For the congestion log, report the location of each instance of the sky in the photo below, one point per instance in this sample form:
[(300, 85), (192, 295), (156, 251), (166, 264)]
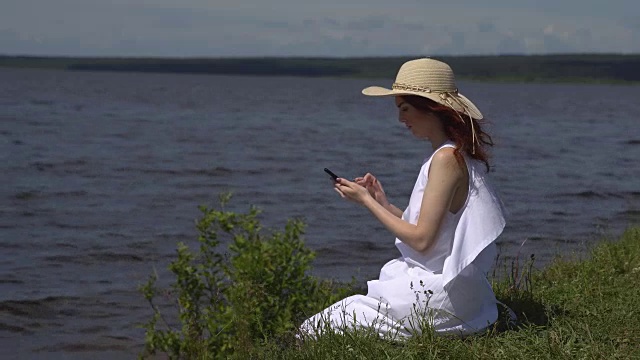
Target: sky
[(327, 28)]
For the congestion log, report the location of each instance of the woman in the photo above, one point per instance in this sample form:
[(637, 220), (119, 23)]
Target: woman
[(446, 234)]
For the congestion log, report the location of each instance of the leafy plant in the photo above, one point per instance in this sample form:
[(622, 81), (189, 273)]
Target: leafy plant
[(229, 301)]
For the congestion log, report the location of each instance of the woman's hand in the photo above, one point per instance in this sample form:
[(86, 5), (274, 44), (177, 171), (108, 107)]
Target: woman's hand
[(352, 191), (374, 187)]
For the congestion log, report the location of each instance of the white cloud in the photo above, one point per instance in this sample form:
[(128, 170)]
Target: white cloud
[(329, 28)]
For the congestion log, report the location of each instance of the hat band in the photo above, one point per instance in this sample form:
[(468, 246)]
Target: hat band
[(405, 87)]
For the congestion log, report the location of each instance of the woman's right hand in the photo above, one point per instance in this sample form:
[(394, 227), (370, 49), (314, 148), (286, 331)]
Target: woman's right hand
[(374, 187)]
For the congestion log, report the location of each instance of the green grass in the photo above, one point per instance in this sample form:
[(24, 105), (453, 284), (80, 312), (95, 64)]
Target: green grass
[(587, 309)]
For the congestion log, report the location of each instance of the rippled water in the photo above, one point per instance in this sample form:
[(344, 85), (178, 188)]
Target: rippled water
[(102, 174)]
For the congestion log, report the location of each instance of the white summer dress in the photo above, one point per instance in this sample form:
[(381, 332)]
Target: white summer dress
[(447, 285)]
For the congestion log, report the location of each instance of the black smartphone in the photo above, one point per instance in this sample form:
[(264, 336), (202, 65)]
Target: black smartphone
[(333, 176)]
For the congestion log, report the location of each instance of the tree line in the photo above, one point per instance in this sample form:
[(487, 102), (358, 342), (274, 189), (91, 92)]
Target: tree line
[(521, 68)]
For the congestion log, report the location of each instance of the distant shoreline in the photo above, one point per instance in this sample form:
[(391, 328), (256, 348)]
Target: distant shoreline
[(569, 68)]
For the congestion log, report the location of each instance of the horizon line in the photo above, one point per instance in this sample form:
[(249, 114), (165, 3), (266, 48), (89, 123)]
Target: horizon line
[(315, 56)]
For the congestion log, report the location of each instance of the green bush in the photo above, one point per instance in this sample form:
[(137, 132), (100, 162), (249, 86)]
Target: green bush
[(229, 302)]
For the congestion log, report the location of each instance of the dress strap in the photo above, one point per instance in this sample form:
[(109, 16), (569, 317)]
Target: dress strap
[(447, 143)]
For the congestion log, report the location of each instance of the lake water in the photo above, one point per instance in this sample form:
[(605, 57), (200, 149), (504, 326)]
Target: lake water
[(102, 174)]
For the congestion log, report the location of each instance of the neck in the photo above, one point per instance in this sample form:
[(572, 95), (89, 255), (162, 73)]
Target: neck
[(437, 141)]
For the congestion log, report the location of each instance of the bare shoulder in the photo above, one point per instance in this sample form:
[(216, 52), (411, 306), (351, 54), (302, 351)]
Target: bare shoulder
[(445, 156), (445, 161)]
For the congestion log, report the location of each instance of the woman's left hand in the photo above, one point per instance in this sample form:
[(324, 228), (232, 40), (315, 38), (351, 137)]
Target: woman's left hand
[(351, 191)]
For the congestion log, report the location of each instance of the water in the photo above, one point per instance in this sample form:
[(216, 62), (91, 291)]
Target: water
[(102, 174)]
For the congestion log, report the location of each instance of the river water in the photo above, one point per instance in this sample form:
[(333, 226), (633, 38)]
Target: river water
[(102, 175)]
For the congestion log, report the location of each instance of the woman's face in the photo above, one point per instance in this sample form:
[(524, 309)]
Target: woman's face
[(421, 123)]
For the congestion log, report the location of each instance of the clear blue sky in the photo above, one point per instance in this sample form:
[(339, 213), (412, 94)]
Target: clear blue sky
[(317, 28)]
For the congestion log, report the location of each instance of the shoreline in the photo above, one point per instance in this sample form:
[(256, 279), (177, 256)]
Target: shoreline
[(571, 309), (567, 68)]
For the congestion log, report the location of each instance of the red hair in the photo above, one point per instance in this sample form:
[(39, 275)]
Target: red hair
[(458, 128)]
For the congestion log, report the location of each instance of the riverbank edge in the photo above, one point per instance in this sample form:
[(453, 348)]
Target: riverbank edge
[(571, 309)]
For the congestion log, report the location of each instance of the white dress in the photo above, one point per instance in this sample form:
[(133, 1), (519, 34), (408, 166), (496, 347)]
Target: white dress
[(445, 288)]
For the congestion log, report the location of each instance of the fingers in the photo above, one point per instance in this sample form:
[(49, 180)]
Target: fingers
[(361, 182), (345, 186), (342, 186), (370, 179), (345, 189), (344, 182)]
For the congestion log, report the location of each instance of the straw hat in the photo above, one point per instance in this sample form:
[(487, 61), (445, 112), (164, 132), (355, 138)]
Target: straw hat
[(431, 79)]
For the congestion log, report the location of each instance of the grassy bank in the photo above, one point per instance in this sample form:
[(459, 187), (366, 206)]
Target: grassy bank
[(591, 68), (570, 310), (244, 293)]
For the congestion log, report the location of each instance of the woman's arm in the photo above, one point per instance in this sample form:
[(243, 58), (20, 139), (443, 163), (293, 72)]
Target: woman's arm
[(445, 176), (394, 210)]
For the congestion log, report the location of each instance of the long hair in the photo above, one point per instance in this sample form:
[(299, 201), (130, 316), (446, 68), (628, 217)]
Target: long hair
[(457, 127)]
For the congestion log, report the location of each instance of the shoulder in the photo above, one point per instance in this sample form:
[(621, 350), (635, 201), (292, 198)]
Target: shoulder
[(445, 157), (445, 161), (444, 154)]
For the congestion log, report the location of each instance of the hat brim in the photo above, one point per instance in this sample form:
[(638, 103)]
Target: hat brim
[(471, 108)]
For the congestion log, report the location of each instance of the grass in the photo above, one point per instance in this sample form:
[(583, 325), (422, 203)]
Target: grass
[(570, 310)]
